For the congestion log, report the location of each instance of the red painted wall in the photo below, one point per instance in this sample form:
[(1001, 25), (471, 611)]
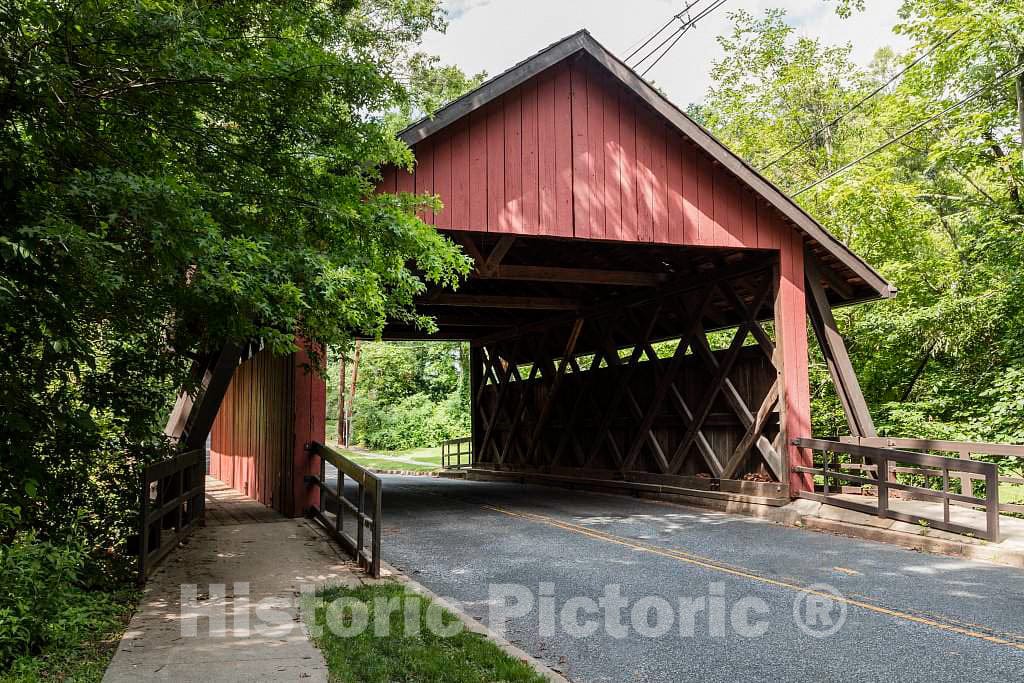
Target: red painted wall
[(570, 153), (272, 409)]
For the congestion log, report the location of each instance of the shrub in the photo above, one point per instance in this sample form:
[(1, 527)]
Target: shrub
[(42, 604), (414, 421)]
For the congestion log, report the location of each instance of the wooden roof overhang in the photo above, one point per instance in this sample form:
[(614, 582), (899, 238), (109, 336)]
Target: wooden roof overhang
[(528, 286), (522, 282)]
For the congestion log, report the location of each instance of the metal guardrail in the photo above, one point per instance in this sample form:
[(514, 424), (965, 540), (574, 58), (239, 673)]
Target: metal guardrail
[(885, 460), (965, 450), (366, 516), (454, 450), (173, 503)]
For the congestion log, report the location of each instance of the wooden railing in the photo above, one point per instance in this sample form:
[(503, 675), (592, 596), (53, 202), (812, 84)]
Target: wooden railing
[(886, 460), (452, 452), (367, 516), (965, 450), (173, 503)]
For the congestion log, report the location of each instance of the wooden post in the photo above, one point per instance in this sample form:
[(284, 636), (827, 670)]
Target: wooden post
[(310, 424), (791, 350), (475, 380)]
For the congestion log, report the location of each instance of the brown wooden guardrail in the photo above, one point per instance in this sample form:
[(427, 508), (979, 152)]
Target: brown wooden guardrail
[(366, 515), (965, 450), (454, 450), (173, 497), (886, 460)]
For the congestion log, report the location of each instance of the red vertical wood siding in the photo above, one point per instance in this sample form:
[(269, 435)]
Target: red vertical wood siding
[(250, 439), (272, 408), (569, 154)]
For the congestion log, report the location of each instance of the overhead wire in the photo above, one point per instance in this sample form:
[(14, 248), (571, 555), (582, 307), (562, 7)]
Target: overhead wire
[(657, 33), (690, 24), (975, 94), (920, 58)]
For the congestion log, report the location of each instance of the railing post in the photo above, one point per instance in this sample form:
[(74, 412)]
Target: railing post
[(377, 515), (824, 470), (945, 495), (144, 525), (883, 487), (361, 506), (992, 504), (966, 483), (339, 491)]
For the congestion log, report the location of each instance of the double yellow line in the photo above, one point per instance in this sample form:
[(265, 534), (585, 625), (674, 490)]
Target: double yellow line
[(708, 563)]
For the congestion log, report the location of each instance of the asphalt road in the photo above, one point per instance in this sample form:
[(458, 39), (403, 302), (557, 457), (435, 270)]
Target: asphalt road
[(904, 615)]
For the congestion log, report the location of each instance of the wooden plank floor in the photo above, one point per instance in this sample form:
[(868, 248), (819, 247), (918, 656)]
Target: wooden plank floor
[(226, 506)]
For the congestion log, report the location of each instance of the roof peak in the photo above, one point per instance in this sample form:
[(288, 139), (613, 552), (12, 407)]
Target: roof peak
[(583, 41)]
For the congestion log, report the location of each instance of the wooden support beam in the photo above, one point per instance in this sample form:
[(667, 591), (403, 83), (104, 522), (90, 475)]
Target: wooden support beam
[(615, 306), (497, 254), (858, 417), (667, 376), (192, 419), (545, 408), (754, 434), (469, 246), (533, 303), (504, 375), (829, 275), (622, 384), (589, 276)]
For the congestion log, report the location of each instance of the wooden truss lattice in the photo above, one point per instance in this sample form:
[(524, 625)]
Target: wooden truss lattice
[(641, 412)]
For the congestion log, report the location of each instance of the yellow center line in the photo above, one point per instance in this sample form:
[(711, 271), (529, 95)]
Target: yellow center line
[(708, 563)]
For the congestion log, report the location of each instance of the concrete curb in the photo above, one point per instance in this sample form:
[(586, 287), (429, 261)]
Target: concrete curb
[(475, 626), (936, 546)]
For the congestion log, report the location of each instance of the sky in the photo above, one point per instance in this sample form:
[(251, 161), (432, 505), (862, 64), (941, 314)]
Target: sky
[(492, 35)]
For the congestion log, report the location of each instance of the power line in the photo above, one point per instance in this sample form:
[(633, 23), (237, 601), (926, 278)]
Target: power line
[(657, 33), (679, 29), (678, 35), (1011, 73), (863, 100)]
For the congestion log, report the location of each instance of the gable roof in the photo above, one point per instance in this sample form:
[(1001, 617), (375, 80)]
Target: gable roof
[(583, 42)]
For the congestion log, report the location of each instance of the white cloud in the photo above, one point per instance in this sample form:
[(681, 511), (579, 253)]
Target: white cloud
[(495, 34), (457, 9)]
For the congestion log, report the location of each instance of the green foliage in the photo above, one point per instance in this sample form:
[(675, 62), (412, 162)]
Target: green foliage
[(43, 604), (939, 214), (411, 394), (175, 176)]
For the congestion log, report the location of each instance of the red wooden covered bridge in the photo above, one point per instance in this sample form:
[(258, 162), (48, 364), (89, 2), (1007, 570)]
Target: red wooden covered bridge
[(638, 309)]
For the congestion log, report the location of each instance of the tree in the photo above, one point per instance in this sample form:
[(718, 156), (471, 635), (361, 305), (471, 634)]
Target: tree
[(938, 213), (177, 176)]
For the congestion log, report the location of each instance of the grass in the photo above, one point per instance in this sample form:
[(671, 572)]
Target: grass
[(84, 656), (388, 464), (422, 459), (1011, 493), (419, 658)]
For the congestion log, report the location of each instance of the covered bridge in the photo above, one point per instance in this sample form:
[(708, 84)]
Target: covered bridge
[(639, 304)]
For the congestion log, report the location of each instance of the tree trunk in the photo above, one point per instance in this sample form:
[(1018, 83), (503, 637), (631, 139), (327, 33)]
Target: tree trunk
[(341, 403), (1020, 110), (352, 394)]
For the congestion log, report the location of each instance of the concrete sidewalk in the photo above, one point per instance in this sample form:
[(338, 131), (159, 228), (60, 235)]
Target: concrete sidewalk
[(257, 555)]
